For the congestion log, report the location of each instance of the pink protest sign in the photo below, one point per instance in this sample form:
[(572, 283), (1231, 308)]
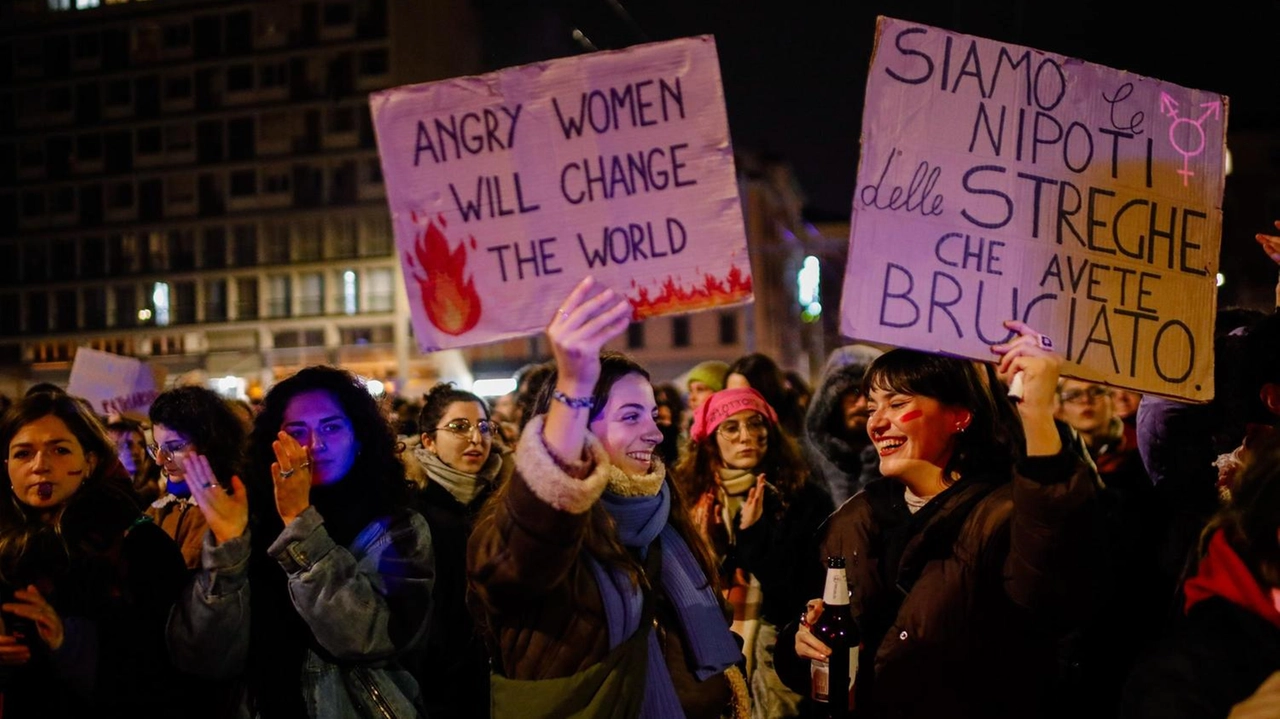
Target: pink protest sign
[(1001, 182), (506, 189)]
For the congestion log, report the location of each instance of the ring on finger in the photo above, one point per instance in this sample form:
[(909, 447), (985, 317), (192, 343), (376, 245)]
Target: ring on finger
[(207, 485), (305, 465), (286, 473), (1046, 343)]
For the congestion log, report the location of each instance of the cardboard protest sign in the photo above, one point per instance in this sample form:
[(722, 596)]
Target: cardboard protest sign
[(113, 384), (1001, 182), (506, 189)]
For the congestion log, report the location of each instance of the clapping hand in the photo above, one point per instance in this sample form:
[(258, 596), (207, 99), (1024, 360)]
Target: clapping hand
[(227, 513)]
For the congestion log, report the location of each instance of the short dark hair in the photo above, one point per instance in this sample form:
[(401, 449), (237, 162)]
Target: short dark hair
[(438, 399)]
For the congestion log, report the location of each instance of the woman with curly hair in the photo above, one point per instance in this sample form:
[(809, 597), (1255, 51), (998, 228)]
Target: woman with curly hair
[(185, 421), (88, 581), (759, 512), (341, 569)]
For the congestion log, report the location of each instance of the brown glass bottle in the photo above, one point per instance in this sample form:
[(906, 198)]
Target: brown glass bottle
[(837, 630)]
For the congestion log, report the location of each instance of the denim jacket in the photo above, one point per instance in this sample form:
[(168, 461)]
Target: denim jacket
[(341, 593)]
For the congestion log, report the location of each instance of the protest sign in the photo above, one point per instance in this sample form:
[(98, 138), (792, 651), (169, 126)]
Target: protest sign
[(1002, 182), (506, 189), (113, 384)]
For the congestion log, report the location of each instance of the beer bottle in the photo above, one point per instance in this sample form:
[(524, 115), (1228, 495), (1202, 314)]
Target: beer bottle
[(832, 680)]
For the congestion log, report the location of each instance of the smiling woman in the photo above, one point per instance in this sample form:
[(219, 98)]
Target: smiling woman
[(972, 554), (91, 578)]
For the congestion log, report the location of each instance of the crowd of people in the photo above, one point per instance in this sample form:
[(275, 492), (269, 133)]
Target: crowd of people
[(599, 544)]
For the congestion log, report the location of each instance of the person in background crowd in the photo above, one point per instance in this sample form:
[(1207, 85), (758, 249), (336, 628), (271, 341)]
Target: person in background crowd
[(837, 449), (671, 413), (341, 569), (759, 372), (87, 581), (704, 379), (1129, 615), (759, 512), (457, 466), (186, 421), (799, 387), (1126, 404), (972, 556), (131, 448), (505, 415), (243, 411), (586, 571), (529, 382), (1223, 660)]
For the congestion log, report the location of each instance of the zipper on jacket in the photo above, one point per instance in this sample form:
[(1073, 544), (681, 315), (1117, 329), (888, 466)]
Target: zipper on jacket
[(383, 707)]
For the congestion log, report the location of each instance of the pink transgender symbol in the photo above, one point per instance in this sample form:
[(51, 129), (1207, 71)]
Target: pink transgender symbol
[(1187, 130)]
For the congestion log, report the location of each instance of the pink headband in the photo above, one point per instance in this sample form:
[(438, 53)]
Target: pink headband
[(720, 405)]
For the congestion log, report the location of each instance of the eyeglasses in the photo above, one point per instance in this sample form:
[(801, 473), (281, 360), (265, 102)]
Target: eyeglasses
[(464, 428), (166, 453), (732, 428), (1085, 395)]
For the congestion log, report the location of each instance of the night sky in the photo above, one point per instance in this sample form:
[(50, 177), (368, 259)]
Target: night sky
[(794, 72)]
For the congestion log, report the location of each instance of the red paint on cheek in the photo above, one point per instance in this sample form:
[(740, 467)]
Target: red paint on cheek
[(911, 416)]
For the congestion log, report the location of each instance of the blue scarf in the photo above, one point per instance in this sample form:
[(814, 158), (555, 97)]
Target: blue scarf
[(640, 520)]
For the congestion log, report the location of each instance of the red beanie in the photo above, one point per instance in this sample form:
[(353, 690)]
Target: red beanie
[(726, 402)]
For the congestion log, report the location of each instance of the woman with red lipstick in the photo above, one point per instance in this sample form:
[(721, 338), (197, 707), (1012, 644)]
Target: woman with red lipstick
[(971, 557), (458, 465), (315, 586), (88, 581), (595, 591), (759, 512)]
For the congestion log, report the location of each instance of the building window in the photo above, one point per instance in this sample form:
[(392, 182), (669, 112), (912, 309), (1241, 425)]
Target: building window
[(57, 99), (126, 306), (37, 312), (680, 331), (349, 301), (149, 141), (244, 252), (119, 93), (276, 248), (342, 241), (64, 310), (240, 77), (184, 303), (278, 296), (273, 74), (160, 305), (275, 181), (635, 336), (378, 240), (180, 190), (10, 314), (89, 148), (337, 13), (373, 62), (177, 87), (35, 261), (33, 204), (62, 201), (213, 254), (342, 119), (311, 294), (728, 328), (156, 256), (247, 298), (120, 195), (182, 249), (382, 293), (64, 254), (31, 154), (93, 257), (177, 36), (308, 237), (215, 301), (87, 46), (95, 308), (178, 138), (244, 183)]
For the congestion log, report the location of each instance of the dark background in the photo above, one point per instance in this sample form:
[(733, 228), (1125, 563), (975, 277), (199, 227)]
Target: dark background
[(794, 72)]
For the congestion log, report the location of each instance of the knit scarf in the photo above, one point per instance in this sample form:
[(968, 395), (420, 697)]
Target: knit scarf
[(640, 520), (742, 588), (464, 486)]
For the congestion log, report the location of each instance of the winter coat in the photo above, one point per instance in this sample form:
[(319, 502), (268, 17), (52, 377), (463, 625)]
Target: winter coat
[(768, 549), (965, 622), (112, 577), (536, 593), (843, 467), (1227, 645), (181, 519), (363, 605)]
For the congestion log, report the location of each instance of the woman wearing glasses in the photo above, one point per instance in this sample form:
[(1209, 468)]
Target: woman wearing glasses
[(759, 513), (456, 468), (595, 590), (186, 421), (87, 582), (315, 585)]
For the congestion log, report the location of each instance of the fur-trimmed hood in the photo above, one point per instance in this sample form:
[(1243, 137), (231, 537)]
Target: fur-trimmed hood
[(833, 458)]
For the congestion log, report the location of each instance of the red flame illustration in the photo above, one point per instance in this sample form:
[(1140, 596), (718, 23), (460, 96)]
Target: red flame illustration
[(449, 297), (711, 293)]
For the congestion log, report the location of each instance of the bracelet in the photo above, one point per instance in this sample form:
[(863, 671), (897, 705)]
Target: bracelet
[(574, 402)]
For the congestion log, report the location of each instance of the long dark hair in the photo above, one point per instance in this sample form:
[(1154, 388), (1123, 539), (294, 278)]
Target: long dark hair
[(782, 463), (103, 505), (438, 399), (205, 417), (601, 539), (992, 442), (383, 488)]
